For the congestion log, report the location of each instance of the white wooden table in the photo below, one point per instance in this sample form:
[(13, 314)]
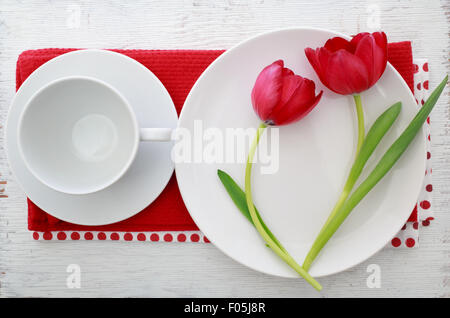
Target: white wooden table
[(30, 268)]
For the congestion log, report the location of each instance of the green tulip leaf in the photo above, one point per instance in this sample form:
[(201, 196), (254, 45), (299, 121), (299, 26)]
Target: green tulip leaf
[(384, 165), (379, 128), (238, 197)]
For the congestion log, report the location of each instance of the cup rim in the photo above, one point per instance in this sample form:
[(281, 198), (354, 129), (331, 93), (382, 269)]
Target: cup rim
[(123, 170)]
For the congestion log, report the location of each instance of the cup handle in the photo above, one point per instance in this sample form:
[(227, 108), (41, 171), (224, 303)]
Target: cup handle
[(155, 134)]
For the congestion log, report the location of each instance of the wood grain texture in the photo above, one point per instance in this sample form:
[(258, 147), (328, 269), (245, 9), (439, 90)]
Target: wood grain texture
[(30, 268)]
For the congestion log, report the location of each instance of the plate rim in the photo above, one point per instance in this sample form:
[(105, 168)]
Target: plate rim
[(211, 67)]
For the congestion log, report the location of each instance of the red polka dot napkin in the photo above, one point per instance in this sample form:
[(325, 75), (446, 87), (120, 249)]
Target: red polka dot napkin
[(167, 219), (422, 214)]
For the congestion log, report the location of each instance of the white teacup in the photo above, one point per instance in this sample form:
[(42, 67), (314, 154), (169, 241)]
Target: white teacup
[(79, 135)]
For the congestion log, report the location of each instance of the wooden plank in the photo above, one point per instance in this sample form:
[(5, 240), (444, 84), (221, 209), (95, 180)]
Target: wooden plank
[(29, 268)]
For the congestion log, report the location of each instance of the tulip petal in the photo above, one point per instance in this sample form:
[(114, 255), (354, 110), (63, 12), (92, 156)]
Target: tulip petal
[(297, 101), (357, 38), (287, 71), (267, 89), (380, 61), (381, 39), (302, 102), (373, 56), (318, 59), (312, 56), (338, 43), (346, 73), (290, 85)]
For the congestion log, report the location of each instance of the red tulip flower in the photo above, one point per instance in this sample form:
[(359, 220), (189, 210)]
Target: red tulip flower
[(281, 97), (350, 67)]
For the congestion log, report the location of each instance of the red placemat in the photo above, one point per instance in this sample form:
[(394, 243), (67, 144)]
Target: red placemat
[(177, 70)]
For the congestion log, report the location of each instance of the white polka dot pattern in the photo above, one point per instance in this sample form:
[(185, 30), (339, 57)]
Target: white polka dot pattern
[(408, 236)]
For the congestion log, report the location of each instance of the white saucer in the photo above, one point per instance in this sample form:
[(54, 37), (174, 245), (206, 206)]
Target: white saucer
[(152, 167)]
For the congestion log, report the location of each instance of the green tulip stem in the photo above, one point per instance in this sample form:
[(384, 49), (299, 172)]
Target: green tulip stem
[(351, 178), (257, 223), (360, 115)]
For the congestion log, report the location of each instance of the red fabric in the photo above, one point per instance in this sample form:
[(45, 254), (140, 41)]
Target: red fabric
[(401, 58), (413, 217), (177, 70)]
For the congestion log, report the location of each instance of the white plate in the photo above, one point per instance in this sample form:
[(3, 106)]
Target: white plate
[(152, 167), (315, 157)]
